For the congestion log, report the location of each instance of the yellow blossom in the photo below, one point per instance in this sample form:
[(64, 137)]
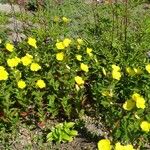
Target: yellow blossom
[(84, 67), (145, 126), (79, 57), (13, 62), (116, 75), (35, 67), (115, 68), (104, 144), (9, 47), (21, 84), (32, 42), (0, 41), (128, 147), (89, 51), (41, 84), (26, 60), (148, 68), (135, 96), (66, 42), (118, 146), (130, 71), (80, 41), (129, 105), (60, 45), (140, 103), (60, 56), (66, 20), (79, 80), (2, 68), (3, 73)]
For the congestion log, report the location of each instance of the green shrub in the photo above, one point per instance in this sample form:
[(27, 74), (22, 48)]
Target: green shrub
[(87, 59), (62, 132)]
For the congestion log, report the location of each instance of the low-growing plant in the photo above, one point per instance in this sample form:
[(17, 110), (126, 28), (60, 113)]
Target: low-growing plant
[(81, 60), (62, 132)]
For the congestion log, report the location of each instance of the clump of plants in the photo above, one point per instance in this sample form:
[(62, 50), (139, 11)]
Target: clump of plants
[(62, 132), (99, 67)]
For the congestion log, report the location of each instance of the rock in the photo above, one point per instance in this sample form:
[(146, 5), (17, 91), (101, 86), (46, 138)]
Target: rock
[(8, 8)]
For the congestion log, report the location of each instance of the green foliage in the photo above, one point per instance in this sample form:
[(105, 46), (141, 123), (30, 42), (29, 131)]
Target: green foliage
[(62, 132), (115, 34)]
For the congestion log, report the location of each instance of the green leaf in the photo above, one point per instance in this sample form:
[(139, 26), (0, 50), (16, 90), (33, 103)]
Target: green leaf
[(69, 125), (73, 133), (66, 137), (49, 136)]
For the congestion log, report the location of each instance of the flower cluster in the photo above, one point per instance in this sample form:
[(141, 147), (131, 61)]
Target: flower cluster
[(136, 100), (116, 74), (3, 73), (145, 126), (105, 144)]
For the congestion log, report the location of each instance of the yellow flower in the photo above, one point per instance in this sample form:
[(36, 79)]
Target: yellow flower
[(116, 75), (145, 126), (84, 67), (128, 147), (115, 68), (66, 20), (3, 73), (13, 62), (79, 57), (129, 105), (66, 42), (135, 96), (104, 144), (2, 68), (148, 68), (41, 84), (80, 41), (26, 60), (0, 41), (32, 42), (130, 71), (9, 47), (118, 146), (60, 45), (89, 51), (60, 56), (21, 84), (35, 67), (140, 103), (79, 80)]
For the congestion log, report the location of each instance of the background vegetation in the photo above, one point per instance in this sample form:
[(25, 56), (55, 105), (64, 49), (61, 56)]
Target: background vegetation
[(92, 59)]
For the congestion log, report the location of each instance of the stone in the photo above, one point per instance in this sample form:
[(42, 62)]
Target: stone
[(7, 8)]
